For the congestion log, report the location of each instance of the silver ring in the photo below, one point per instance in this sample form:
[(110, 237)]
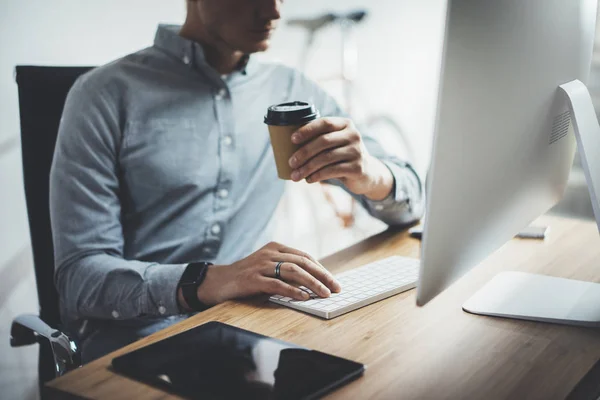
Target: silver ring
[(278, 270)]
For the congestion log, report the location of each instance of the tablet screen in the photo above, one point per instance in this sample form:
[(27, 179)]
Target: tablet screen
[(219, 361)]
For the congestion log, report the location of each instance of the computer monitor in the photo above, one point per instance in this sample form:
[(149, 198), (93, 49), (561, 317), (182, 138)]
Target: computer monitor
[(511, 94)]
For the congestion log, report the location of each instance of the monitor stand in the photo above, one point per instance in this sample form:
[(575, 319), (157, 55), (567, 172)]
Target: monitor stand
[(544, 298)]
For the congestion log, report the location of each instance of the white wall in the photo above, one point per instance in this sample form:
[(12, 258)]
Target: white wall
[(399, 58)]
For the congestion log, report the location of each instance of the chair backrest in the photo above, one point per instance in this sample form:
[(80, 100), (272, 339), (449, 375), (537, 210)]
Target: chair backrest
[(42, 95)]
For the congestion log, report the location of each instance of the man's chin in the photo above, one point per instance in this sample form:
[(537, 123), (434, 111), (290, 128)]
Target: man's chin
[(256, 47)]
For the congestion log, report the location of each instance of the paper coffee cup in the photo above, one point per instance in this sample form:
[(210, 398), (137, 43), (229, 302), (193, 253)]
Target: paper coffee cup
[(283, 120)]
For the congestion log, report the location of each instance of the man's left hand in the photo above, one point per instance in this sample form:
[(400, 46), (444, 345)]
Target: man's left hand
[(332, 148)]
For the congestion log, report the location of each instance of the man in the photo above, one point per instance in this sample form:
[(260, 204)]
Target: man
[(163, 163)]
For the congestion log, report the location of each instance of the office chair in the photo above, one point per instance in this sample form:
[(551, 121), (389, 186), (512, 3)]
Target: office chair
[(42, 95)]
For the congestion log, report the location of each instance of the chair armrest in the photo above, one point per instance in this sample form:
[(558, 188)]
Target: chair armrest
[(29, 329)]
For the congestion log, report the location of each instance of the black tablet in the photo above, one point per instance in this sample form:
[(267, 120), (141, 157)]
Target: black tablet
[(219, 361)]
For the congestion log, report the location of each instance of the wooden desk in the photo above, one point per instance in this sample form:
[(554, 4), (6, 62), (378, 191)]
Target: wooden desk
[(433, 352)]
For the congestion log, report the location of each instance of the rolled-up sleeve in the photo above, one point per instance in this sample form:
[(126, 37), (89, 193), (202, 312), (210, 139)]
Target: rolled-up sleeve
[(92, 277)]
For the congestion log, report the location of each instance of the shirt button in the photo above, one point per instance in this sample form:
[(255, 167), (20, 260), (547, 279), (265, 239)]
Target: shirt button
[(115, 314), (221, 94), (223, 193), (379, 207), (216, 229), (207, 250), (186, 59), (162, 310), (227, 140)]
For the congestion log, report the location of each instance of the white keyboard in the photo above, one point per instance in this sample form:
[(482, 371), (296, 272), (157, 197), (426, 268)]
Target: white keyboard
[(360, 287)]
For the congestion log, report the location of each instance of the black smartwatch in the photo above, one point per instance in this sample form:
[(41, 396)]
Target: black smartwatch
[(190, 281)]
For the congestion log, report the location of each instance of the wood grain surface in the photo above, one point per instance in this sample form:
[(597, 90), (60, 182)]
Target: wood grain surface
[(431, 352)]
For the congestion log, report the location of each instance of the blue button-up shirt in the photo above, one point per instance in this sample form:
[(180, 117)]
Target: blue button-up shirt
[(161, 161)]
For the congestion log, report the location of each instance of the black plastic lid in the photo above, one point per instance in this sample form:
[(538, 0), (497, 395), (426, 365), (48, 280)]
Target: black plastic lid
[(294, 113)]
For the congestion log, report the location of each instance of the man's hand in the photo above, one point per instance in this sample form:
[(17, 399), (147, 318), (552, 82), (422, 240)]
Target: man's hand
[(333, 148), (255, 274)]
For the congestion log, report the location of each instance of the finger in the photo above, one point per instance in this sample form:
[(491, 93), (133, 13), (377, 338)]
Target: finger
[(291, 250), (336, 171), (273, 286), (292, 273), (319, 144), (318, 127), (314, 269), (328, 157)]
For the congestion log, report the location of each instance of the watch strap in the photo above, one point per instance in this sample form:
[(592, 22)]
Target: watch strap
[(192, 278)]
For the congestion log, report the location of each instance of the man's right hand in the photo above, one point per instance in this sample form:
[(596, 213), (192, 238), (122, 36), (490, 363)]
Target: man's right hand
[(255, 275)]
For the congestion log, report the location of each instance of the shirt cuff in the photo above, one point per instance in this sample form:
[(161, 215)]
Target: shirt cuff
[(398, 195), (162, 282)]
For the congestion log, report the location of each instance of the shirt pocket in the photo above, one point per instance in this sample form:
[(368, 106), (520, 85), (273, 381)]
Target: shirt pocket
[(164, 157)]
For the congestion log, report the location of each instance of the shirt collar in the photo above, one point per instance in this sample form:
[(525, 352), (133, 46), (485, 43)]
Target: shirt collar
[(167, 39)]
